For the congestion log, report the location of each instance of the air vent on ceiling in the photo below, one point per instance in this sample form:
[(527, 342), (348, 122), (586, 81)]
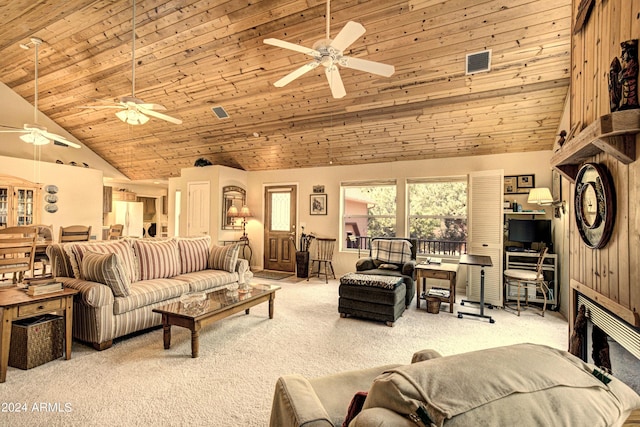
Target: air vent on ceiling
[(220, 112), (478, 62)]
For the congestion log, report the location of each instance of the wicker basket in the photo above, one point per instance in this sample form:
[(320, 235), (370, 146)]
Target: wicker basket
[(36, 341), (433, 305)]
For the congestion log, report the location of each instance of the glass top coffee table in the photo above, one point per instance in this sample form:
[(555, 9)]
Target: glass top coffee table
[(218, 305)]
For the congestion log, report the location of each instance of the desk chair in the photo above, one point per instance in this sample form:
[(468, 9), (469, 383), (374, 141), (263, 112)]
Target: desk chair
[(323, 254), (526, 279), (74, 233), (17, 249), (115, 231)]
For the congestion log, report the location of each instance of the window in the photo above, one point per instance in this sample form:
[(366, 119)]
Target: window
[(437, 215), (369, 210)]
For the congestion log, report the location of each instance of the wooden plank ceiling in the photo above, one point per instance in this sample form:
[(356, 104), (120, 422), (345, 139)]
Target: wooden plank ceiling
[(195, 54)]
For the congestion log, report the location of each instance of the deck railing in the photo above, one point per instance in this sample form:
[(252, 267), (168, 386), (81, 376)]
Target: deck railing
[(425, 246)]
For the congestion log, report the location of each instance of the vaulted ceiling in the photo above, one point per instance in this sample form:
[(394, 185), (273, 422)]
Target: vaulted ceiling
[(192, 55)]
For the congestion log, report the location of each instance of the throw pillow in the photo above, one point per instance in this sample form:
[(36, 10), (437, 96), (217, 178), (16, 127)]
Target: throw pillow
[(224, 257), (77, 250), (158, 259), (107, 269), (391, 251), (194, 253)]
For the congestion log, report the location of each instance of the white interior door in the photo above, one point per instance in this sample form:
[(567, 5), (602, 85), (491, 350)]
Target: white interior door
[(486, 234), (198, 208)]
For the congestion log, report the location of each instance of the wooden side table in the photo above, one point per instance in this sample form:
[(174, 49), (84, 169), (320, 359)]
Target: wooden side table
[(445, 271), (16, 305)]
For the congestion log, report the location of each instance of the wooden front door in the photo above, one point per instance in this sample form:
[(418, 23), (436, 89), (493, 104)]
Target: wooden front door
[(280, 227)]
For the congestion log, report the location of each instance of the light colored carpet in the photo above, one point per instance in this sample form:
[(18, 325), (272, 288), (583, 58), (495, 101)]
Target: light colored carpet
[(138, 383)]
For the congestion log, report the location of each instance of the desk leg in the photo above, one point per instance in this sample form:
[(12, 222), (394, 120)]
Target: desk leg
[(5, 333), (419, 285), (481, 314), (452, 291)]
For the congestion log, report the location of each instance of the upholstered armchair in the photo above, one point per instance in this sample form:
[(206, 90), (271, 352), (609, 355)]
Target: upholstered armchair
[(392, 256)]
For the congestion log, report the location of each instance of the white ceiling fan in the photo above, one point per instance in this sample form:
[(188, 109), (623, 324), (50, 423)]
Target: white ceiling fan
[(328, 52), (33, 133), (135, 111)]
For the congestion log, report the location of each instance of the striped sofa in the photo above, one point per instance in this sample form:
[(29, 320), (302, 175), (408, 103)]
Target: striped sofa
[(122, 281)]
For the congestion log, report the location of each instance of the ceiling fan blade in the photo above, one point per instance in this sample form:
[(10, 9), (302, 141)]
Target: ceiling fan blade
[(335, 82), (296, 73), (291, 46), (156, 107), (372, 67), (159, 115), (349, 34), (59, 139)]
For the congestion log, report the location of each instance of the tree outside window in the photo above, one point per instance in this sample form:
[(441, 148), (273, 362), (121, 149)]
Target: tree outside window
[(438, 215), (369, 211)]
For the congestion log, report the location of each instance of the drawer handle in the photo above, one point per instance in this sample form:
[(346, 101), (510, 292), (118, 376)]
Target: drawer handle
[(41, 307)]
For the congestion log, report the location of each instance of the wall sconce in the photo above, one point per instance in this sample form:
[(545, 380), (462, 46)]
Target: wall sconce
[(541, 196)]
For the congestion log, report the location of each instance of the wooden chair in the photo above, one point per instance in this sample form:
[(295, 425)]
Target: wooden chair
[(323, 254), (17, 249), (115, 231), (74, 233), (43, 239), (526, 279)]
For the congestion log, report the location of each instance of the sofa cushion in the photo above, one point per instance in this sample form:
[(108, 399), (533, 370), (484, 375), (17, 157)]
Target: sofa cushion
[(77, 250), (390, 251), (147, 292), (371, 280), (194, 253), (157, 259), (107, 269), (498, 386), (208, 279), (224, 257)]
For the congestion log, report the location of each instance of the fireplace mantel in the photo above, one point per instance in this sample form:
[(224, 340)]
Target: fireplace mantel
[(612, 133), (629, 316)]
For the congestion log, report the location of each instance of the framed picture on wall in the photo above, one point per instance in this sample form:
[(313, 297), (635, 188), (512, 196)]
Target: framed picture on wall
[(526, 181), (318, 204), (510, 184)]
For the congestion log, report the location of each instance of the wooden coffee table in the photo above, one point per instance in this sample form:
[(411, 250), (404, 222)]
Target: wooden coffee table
[(220, 304)]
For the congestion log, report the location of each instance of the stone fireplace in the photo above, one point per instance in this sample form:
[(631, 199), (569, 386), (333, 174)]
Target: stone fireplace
[(623, 340)]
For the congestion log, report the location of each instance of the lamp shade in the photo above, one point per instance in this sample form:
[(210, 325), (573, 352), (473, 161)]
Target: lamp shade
[(245, 212), (232, 212), (540, 196)]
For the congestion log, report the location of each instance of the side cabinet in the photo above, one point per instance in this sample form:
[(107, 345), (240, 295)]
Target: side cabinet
[(20, 202)]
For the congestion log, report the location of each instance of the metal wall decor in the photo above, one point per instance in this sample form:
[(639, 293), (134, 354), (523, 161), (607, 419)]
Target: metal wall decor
[(595, 205), (51, 198), (232, 195)]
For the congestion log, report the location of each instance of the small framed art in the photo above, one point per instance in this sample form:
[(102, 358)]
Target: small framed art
[(318, 204)]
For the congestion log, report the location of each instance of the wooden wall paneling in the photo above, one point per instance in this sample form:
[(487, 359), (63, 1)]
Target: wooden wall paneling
[(634, 234)]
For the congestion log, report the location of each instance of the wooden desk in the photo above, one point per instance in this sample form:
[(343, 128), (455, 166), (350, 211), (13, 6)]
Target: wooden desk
[(16, 305), (445, 271)]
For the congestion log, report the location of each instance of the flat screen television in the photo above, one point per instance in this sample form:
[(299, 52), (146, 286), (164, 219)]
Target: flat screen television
[(528, 231)]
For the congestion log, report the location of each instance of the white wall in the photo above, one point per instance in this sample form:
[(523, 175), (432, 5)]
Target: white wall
[(536, 163), (79, 195), (218, 177)]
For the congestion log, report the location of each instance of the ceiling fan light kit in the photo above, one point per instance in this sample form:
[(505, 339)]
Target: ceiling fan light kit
[(33, 133), (135, 111), (329, 53)]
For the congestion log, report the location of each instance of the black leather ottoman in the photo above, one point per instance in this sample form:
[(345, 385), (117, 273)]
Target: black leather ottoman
[(372, 297)]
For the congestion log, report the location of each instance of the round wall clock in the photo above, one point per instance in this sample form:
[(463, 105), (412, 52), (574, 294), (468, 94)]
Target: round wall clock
[(595, 205)]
